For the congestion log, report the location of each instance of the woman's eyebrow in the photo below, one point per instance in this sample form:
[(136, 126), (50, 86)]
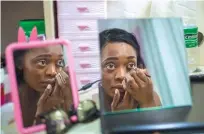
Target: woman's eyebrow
[(47, 55), (131, 57), (110, 58), (43, 55), (60, 55)]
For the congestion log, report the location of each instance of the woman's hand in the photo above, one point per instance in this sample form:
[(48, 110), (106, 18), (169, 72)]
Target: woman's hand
[(140, 87), (65, 88), (126, 103), (53, 97), (50, 99)]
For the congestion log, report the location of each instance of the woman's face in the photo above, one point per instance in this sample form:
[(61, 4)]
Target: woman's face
[(40, 65), (117, 60)]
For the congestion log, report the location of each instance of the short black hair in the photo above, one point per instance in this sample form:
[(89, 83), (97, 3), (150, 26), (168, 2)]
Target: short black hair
[(120, 35), (18, 60)]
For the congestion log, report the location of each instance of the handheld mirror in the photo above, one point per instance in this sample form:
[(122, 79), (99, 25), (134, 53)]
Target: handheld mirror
[(40, 80), (144, 72)]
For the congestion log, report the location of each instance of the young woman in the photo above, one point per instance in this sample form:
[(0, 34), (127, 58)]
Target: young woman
[(42, 82), (125, 81)]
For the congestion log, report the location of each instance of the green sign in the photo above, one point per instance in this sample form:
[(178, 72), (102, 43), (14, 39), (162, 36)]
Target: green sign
[(29, 24)]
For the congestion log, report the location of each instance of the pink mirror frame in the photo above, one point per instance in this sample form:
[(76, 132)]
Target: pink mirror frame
[(14, 88)]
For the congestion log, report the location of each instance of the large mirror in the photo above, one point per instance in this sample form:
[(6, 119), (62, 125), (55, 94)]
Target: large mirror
[(143, 65)]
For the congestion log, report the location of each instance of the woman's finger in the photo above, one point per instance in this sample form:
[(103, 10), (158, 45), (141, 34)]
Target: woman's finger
[(61, 93), (131, 85), (45, 95), (145, 72), (126, 98), (115, 99), (124, 84), (65, 76), (141, 74), (59, 80), (62, 77), (67, 86), (137, 79), (56, 91), (132, 102), (54, 101), (149, 81)]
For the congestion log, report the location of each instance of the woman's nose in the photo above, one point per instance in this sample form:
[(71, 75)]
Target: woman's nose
[(120, 74), (51, 71)]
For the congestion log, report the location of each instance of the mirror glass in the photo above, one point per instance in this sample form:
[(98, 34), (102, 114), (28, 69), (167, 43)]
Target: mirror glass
[(43, 81), (143, 65)]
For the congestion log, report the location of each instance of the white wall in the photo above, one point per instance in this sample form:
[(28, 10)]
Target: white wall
[(148, 8), (200, 24)]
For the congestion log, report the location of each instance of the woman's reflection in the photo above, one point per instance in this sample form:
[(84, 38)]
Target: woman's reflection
[(125, 82), (42, 81)]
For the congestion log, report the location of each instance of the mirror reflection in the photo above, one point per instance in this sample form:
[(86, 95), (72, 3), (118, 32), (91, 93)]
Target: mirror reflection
[(43, 82), (126, 82), (143, 64)]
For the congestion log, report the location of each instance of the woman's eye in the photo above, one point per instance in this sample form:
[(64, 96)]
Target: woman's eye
[(110, 66), (131, 65), (42, 63), (61, 63)]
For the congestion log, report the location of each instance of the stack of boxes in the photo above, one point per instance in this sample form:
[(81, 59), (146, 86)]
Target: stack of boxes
[(77, 22)]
